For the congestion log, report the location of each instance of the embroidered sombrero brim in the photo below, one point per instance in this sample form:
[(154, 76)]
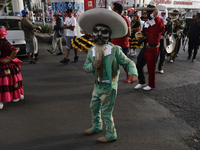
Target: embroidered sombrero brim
[(96, 16)]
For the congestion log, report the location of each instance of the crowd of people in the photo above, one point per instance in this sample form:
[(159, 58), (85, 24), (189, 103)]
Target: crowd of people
[(107, 46)]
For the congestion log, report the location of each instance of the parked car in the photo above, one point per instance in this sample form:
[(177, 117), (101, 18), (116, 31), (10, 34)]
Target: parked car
[(15, 34)]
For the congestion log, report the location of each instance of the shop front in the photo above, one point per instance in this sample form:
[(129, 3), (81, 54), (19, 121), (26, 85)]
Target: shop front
[(190, 6)]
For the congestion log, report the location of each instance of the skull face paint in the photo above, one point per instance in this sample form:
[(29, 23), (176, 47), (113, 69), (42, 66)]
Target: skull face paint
[(101, 34)]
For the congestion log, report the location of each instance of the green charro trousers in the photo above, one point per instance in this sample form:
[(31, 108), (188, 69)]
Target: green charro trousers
[(103, 100)]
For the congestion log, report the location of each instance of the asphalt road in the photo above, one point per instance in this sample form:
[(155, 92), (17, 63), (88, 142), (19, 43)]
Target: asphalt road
[(56, 109)]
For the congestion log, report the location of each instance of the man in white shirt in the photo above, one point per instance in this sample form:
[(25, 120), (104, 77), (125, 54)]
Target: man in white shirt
[(70, 25)]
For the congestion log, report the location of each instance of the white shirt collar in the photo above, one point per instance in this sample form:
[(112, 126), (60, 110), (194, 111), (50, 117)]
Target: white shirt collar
[(106, 52)]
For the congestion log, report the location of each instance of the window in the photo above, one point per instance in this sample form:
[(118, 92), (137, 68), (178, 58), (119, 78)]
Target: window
[(11, 24)]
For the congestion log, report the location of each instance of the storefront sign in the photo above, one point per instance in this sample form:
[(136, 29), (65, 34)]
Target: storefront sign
[(163, 1), (182, 3)]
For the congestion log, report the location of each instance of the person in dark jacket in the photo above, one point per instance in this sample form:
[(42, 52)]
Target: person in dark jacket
[(194, 37), (58, 33)]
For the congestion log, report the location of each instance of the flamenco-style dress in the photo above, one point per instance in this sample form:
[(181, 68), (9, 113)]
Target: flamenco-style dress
[(82, 43), (132, 40), (11, 88)]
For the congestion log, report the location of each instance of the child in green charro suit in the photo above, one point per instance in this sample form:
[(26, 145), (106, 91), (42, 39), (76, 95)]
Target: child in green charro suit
[(104, 60)]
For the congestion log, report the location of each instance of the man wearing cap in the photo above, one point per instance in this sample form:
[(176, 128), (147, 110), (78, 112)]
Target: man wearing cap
[(58, 33), (103, 60), (177, 26), (153, 29), (70, 25), (29, 35)]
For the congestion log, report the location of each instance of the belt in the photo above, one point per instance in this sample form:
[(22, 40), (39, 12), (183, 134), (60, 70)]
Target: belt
[(153, 46)]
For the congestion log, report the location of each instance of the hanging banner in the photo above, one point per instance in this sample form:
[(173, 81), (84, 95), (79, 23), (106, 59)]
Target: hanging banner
[(89, 4), (125, 3), (61, 6)]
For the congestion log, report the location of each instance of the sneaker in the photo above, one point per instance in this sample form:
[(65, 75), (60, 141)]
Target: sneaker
[(31, 62), (193, 60), (64, 61), (127, 79), (171, 61), (22, 97), (1, 105), (50, 51), (138, 86), (188, 58), (161, 71), (133, 53), (147, 88), (176, 55), (15, 100), (76, 58), (33, 59), (60, 53)]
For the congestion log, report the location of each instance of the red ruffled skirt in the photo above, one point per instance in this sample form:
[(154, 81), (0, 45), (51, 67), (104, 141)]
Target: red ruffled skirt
[(11, 87)]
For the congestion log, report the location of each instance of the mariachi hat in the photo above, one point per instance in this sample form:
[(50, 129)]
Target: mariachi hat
[(148, 8), (144, 12), (57, 14), (96, 16), (174, 11)]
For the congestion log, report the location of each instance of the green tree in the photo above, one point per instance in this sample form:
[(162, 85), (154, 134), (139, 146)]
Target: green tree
[(10, 7)]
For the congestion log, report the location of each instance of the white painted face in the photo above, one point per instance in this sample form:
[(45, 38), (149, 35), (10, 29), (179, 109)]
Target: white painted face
[(101, 34)]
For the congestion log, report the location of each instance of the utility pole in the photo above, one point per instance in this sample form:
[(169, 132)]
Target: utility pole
[(135, 4), (43, 17)]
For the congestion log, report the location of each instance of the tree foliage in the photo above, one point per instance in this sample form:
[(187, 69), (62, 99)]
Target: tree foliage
[(10, 7)]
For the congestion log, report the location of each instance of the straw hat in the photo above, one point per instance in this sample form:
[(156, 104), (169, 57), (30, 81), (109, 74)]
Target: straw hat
[(96, 16)]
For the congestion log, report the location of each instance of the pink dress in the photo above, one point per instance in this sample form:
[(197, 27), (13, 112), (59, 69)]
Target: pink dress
[(11, 87)]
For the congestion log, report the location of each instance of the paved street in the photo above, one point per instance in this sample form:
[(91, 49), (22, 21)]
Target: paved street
[(56, 109)]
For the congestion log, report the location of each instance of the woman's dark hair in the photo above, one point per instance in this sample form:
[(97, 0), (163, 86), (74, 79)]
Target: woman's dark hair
[(118, 7)]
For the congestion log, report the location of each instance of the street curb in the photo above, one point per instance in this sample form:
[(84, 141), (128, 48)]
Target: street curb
[(47, 38), (44, 37)]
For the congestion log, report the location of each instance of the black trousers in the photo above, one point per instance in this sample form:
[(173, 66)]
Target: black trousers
[(193, 44), (140, 65), (162, 54)]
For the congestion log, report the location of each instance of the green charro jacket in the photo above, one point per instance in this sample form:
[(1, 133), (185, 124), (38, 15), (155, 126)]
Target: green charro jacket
[(114, 58)]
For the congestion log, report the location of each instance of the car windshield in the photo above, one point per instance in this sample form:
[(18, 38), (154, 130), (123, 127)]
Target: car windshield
[(11, 24)]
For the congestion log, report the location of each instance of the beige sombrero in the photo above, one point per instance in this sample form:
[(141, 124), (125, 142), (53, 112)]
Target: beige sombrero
[(96, 16)]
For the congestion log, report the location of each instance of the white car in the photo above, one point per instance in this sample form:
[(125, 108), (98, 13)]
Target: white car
[(15, 34)]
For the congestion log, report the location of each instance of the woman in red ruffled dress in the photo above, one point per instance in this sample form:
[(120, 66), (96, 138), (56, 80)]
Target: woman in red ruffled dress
[(11, 88)]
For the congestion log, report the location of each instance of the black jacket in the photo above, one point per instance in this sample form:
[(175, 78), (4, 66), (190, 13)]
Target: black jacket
[(168, 28), (58, 27)]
